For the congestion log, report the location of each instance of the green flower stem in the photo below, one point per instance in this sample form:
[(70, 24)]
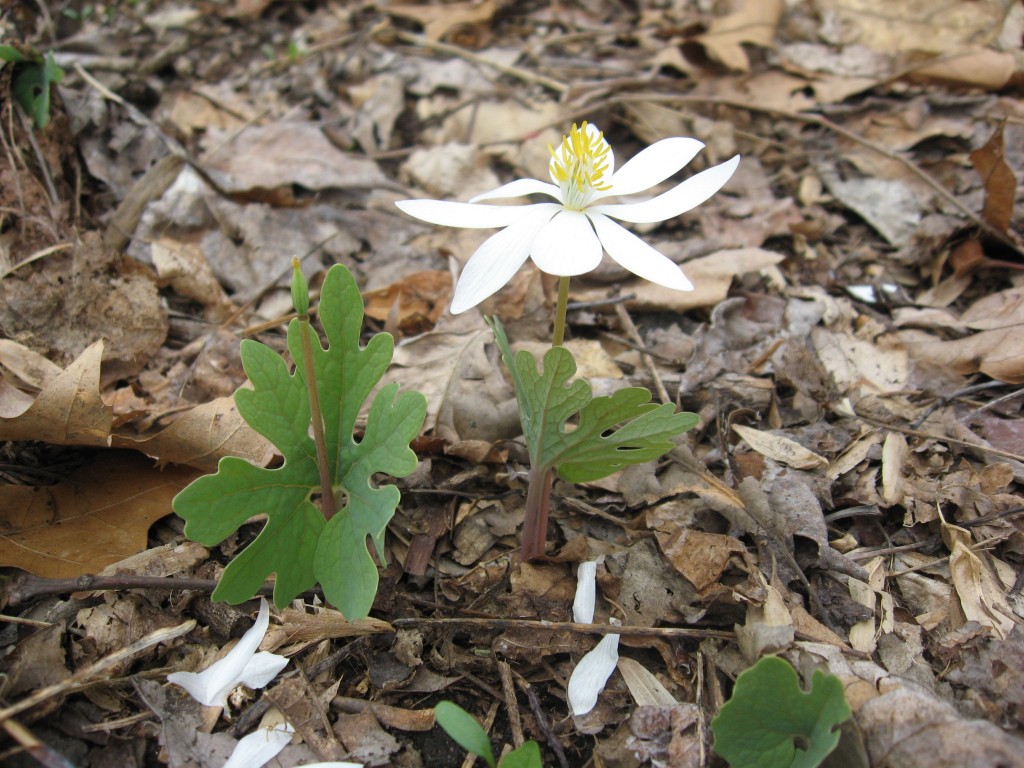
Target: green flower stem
[(535, 523), (560, 309), (300, 298)]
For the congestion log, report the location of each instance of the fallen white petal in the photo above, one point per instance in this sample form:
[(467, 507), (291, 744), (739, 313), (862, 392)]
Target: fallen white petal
[(586, 592), (499, 258), (518, 188), (260, 747), (465, 215), (652, 166), (566, 245), (591, 674), (680, 199), (241, 665), (637, 256)]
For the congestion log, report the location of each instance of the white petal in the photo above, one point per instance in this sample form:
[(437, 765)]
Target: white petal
[(518, 188), (261, 669), (212, 686), (637, 256), (566, 245), (691, 193), (586, 592), (260, 747), (499, 258), (466, 215), (591, 674), (652, 166)]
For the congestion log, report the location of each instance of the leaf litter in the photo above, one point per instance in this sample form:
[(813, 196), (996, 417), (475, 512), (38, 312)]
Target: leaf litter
[(850, 498)]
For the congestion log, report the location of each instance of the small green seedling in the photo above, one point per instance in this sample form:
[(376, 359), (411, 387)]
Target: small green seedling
[(467, 733), (570, 432), (33, 76), (771, 723), (310, 415)]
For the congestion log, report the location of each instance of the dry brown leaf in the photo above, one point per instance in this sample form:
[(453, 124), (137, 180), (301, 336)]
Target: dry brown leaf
[(858, 365), (711, 277), (202, 436), (646, 689), (894, 453), (101, 514), (301, 627), (1000, 183), (997, 353), (183, 266), (280, 155), (441, 21), (779, 448), (981, 593), (768, 627), (754, 23), (69, 410), (917, 25), (997, 310), (412, 305), (29, 366), (700, 557), (980, 68)]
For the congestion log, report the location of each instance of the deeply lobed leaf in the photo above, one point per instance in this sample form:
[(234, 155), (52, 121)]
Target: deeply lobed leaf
[(590, 448), (297, 543)]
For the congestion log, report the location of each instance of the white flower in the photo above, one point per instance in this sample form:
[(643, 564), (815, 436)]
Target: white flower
[(591, 675), (241, 666), (567, 237)]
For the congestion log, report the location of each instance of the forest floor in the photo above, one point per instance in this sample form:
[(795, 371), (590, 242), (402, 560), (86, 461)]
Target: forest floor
[(854, 348)]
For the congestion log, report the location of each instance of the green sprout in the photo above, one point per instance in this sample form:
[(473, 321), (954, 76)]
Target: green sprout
[(468, 734), (33, 76)]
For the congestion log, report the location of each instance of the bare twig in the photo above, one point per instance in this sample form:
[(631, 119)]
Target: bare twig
[(564, 626), (630, 328)]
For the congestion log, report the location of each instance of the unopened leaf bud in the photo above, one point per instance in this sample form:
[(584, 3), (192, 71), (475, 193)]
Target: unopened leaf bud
[(300, 289)]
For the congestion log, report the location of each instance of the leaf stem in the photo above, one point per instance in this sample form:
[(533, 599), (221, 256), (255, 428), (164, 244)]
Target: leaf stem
[(535, 523), (560, 310), (300, 299)]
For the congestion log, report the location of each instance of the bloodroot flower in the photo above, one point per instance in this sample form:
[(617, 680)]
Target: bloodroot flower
[(567, 237)]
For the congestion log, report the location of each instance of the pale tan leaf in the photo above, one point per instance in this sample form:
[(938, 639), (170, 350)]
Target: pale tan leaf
[(202, 436), (754, 23), (997, 353), (894, 454), (645, 688), (982, 596), (29, 366), (69, 410), (779, 448)]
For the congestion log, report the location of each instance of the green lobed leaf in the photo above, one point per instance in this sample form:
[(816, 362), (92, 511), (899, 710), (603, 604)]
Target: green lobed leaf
[(593, 449), (771, 723), (297, 543), (464, 730)]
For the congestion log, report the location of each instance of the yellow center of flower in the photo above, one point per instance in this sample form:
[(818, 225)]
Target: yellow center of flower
[(578, 166)]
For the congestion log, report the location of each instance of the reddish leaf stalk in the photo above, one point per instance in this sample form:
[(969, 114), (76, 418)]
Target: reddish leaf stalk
[(327, 504), (535, 524)]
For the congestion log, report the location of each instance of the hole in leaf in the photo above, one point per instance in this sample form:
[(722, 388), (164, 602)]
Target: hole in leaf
[(801, 742)]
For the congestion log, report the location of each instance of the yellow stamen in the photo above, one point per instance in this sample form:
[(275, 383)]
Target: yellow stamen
[(579, 165)]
